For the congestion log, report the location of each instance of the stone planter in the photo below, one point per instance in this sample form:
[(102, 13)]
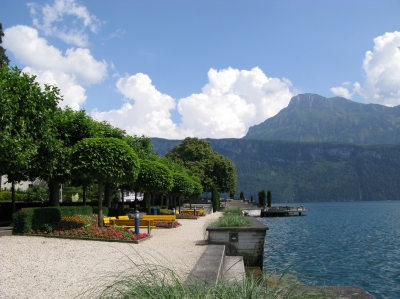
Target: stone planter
[(242, 241)]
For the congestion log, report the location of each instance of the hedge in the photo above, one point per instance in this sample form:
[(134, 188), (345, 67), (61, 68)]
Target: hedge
[(25, 220)]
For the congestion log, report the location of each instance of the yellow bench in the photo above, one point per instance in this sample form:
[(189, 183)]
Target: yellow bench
[(199, 211), (160, 217), (128, 223)]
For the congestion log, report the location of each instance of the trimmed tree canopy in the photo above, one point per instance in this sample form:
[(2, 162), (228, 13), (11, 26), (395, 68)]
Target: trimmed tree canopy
[(154, 177), (105, 159)]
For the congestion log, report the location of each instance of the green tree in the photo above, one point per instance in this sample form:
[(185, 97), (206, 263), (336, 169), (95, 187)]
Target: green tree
[(154, 178), (212, 169), (262, 198), (269, 199), (26, 118), (107, 160), (251, 198), (215, 198), (3, 57), (241, 195)]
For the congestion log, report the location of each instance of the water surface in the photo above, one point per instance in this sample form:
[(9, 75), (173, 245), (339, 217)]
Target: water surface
[(352, 243)]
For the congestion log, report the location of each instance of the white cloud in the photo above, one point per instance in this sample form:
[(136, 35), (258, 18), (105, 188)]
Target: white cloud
[(229, 104), (68, 71), (342, 91), (148, 113), (382, 69), (48, 18)]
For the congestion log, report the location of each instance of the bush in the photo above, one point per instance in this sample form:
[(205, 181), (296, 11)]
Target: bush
[(233, 210), (45, 216), (215, 199), (233, 221), (6, 196), (105, 211), (22, 221), (73, 210), (38, 194)]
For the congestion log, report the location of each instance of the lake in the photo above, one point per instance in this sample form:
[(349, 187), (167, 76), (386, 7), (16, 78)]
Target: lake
[(339, 243)]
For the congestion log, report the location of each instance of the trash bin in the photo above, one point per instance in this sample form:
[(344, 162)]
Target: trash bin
[(153, 211)]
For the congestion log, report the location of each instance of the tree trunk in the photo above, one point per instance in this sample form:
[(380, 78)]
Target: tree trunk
[(84, 194), (13, 196), (100, 198), (54, 189), (190, 202), (152, 199), (147, 196), (107, 195)]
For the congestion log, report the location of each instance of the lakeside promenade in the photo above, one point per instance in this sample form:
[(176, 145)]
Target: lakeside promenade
[(40, 267)]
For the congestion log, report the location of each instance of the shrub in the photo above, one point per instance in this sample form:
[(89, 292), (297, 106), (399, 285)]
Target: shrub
[(233, 210), (105, 211), (233, 221), (45, 216), (73, 210), (22, 221), (6, 196)]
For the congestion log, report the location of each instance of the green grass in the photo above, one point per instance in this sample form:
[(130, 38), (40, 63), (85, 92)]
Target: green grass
[(232, 210), (232, 221), (157, 282)]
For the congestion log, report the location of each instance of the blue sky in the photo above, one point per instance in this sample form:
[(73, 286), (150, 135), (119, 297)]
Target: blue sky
[(173, 69)]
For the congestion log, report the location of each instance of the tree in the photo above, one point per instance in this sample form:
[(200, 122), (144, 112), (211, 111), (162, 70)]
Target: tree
[(153, 178), (3, 57), (106, 160), (26, 119), (269, 198), (215, 198), (212, 169), (262, 198), (251, 198), (241, 195)]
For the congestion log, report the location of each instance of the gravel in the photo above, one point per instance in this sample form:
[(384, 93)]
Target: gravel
[(40, 267)]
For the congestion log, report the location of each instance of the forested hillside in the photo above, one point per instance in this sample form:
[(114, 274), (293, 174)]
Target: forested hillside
[(309, 172)]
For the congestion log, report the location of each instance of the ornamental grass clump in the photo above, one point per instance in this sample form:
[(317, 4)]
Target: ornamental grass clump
[(232, 221), (233, 210)]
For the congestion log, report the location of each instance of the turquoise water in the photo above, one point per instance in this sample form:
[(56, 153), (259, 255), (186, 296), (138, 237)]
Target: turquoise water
[(353, 243)]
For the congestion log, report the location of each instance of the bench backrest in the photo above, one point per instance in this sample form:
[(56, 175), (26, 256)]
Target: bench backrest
[(160, 217), (131, 222), (123, 217)]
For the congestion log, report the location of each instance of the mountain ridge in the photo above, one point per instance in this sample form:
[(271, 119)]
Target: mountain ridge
[(314, 118)]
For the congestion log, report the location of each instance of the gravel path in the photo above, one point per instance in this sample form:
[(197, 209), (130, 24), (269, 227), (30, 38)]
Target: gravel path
[(40, 267)]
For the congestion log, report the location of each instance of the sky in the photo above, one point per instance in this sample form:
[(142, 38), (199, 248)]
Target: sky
[(206, 68)]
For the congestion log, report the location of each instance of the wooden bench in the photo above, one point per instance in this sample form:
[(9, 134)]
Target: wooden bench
[(130, 223), (168, 218), (198, 211)]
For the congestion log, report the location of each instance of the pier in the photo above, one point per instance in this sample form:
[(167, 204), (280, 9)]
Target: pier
[(252, 209)]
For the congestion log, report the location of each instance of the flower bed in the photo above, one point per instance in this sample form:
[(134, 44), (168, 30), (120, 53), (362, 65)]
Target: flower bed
[(84, 226), (186, 216), (167, 224)]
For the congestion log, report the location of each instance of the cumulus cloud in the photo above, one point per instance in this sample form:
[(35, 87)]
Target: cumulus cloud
[(68, 71), (49, 17), (231, 102), (382, 69), (147, 112), (342, 92)]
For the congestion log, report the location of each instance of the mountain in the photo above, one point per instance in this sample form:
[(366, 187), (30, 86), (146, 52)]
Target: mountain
[(309, 172), (313, 118)]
